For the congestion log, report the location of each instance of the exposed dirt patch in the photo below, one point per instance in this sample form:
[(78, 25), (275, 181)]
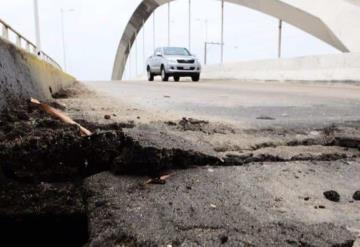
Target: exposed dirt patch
[(36, 148), (72, 92), (190, 124)]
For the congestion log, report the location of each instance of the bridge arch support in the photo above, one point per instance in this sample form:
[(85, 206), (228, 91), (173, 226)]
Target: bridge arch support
[(335, 22)]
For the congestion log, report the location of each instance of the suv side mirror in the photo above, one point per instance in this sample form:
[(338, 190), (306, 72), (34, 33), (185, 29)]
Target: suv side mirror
[(158, 54)]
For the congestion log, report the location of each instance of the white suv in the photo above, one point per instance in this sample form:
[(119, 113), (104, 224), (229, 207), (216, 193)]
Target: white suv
[(173, 62)]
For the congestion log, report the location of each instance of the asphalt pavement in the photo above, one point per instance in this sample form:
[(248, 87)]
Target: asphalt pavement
[(243, 103), (275, 157)]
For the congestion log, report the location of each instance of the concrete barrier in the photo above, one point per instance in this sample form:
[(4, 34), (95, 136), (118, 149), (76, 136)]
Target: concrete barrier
[(23, 75), (337, 67)]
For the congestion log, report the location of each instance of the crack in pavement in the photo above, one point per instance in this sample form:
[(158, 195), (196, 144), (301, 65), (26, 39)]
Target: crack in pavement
[(35, 149)]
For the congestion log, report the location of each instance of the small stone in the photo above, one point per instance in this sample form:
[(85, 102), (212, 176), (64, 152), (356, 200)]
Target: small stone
[(188, 187), (356, 196), (322, 206), (107, 117), (213, 206), (307, 198), (332, 195), (265, 118), (224, 239), (100, 203)]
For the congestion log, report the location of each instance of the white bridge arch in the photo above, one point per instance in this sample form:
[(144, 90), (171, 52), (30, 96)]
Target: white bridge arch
[(336, 22)]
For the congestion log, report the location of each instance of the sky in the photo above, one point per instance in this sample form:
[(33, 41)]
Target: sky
[(94, 28)]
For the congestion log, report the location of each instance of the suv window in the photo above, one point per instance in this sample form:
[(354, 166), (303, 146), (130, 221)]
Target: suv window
[(158, 50), (176, 51)]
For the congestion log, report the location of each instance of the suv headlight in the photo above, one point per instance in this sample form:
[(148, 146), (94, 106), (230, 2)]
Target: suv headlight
[(172, 61)]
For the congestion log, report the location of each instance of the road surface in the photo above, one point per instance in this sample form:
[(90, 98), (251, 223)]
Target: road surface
[(265, 187), (245, 104)]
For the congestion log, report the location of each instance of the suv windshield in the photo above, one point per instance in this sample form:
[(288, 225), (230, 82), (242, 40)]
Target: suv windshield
[(174, 51)]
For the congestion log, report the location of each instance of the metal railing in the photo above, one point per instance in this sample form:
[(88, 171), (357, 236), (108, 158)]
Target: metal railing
[(13, 36)]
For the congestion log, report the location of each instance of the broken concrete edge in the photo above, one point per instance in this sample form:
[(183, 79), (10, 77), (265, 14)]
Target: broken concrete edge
[(121, 151), (23, 75), (57, 152)]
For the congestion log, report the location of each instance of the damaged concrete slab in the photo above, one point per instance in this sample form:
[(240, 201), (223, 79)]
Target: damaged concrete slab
[(258, 205), (226, 186)]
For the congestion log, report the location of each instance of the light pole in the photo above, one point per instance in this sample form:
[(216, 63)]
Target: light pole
[(37, 27), (154, 31), (205, 22), (190, 25), (169, 24), (144, 52), (136, 55), (280, 39), (222, 32), (63, 34), (206, 49)]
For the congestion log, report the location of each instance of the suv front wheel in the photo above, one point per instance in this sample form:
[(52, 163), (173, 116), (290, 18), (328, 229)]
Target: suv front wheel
[(164, 75), (195, 77), (150, 75)]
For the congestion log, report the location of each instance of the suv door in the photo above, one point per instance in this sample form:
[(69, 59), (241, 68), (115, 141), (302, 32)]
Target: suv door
[(157, 60)]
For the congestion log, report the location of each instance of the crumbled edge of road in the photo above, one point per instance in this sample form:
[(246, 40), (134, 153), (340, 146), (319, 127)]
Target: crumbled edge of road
[(44, 161)]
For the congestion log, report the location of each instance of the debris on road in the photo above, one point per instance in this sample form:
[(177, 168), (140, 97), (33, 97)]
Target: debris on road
[(60, 115), (265, 118), (107, 117), (160, 180), (192, 124), (332, 195), (356, 196)]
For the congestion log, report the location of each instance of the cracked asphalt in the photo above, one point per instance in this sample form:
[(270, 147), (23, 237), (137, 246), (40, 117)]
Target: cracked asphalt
[(282, 146)]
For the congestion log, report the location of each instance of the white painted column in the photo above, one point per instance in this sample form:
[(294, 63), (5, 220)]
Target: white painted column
[(5, 32)]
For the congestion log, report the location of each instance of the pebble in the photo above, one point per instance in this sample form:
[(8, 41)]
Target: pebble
[(356, 196), (332, 195)]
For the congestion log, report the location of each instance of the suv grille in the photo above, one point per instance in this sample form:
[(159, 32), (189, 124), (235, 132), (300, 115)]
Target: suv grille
[(186, 61)]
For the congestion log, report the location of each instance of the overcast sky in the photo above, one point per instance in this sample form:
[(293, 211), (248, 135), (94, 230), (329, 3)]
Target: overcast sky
[(94, 29)]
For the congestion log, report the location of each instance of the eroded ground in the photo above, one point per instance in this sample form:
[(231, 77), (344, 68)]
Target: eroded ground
[(228, 185)]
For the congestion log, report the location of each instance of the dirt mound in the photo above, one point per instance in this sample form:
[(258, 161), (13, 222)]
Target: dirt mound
[(72, 92)]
